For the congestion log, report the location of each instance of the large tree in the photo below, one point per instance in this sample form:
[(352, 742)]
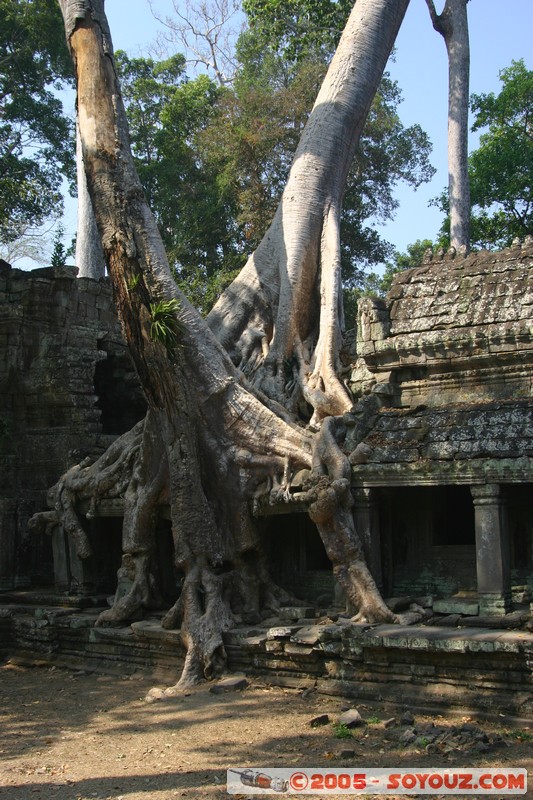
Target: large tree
[(214, 161), (253, 137), (452, 24), (221, 431)]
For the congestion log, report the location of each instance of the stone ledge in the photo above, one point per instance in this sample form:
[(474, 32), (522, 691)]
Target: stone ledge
[(433, 665)]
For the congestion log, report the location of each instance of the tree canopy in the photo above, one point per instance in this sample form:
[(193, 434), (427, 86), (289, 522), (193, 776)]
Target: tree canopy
[(214, 160), (167, 113), (36, 146), (501, 168), (299, 28)]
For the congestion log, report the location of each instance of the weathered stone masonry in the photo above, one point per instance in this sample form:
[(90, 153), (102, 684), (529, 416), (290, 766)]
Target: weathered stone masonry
[(67, 388), (441, 444), (442, 439)]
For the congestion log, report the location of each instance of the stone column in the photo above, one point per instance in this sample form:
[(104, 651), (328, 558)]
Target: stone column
[(367, 526), (60, 553), (82, 572), (72, 574), (492, 549), (8, 536)]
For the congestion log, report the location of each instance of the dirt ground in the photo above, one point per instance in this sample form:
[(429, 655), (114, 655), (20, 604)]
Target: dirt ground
[(76, 736)]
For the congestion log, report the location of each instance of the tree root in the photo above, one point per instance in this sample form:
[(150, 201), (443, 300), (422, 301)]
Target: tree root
[(328, 493), (135, 567)]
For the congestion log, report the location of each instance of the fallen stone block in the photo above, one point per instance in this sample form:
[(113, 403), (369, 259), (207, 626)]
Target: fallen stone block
[(317, 722), (347, 754), (232, 684), (281, 632), (351, 718), (309, 636)]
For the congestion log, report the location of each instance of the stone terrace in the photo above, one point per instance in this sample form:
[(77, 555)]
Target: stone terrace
[(434, 666)]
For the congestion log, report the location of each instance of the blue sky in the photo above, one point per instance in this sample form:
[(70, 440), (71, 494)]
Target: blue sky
[(500, 31)]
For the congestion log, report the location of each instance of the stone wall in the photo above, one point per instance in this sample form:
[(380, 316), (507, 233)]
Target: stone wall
[(59, 336), (453, 330), (468, 669), (443, 377)]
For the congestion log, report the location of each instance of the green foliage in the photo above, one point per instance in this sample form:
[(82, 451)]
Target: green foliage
[(374, 720), (299, 28), (134, 282), (36, 146), (521, 735), (374, 285), (402, 261), (341, 731), (59, 254), (251, 142), (167, 114), (165, 327), (387, 153), (501, 169), (214, 161), (203, 290)]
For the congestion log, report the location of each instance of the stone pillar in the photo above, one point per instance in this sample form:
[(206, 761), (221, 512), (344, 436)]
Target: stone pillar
[(72, 574), (492, 549), (367, 526), (82, 572), (8, 535), (61, 558)]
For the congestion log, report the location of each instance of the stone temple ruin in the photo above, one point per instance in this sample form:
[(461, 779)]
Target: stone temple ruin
[(441, 438)]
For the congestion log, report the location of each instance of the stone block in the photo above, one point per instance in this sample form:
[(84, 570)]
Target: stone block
[(351, 718), (352, 649), (308, 636), (293, 613), (232, 684), (237, 636), (274, 646), (331, 648), (512, 641), (423, 670), (292, 649), (331, 633), (281, 632), (453, 605), (254, 642), (493, 605), (317, 722), (154, 631)]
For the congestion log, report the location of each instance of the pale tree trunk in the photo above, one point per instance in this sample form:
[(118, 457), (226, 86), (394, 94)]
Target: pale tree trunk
[(89, 254), (212, 441), (452, 24), (279, 330)]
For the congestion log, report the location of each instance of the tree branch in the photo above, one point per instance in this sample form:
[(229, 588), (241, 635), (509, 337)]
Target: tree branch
[(436, 19)]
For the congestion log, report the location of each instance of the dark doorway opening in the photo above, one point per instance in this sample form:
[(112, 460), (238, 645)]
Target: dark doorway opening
[(520, 521), (428, 540), (120, 399), (298, 559)]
